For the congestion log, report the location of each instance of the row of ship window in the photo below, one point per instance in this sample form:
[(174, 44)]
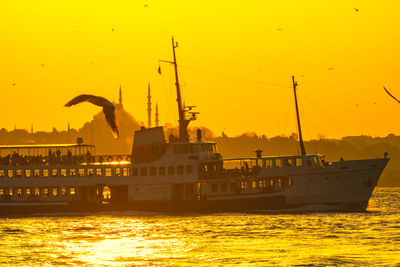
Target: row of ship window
[(116, 171), (36, 191), (194, 148), (274, 184)]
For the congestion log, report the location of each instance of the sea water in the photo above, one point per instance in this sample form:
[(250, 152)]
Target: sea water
[(311, 236)]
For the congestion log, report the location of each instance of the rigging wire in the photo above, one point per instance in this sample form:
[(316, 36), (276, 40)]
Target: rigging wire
[(326, 116), (166, 97), (276, 85), (283, 140), (341, 129), (308, 130), (185, 93), (232, 77), (171, 78)]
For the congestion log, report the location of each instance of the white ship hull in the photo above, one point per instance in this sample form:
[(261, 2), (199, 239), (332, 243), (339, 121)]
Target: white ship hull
[(343, 185), (333, 185)]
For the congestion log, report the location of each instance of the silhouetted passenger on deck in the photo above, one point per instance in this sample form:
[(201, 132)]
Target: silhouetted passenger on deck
[(15, 158), (58, 153), (246, 168), (88, 157)]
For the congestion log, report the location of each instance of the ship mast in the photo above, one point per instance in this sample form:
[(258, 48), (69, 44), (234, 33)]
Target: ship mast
[(183, 123), (303, 150), (182, 109)]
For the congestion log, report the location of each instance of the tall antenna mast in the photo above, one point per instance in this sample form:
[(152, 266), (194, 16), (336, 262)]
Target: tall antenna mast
[(303, 150), (182, 109), (183, 123)]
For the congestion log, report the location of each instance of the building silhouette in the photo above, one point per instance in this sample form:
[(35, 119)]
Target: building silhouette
[(148, 107)]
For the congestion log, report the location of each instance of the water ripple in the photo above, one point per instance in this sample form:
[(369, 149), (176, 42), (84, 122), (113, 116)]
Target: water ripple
[(308, 237)]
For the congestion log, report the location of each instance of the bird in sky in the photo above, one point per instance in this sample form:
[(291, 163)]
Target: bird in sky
[(108, 109), (331, 68), (391, 94), (356, 9)]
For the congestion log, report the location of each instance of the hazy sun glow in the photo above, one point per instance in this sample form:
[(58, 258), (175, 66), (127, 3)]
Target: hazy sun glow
[(342, 58)]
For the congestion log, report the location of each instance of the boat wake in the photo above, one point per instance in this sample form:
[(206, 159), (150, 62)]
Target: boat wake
[(314, 208)]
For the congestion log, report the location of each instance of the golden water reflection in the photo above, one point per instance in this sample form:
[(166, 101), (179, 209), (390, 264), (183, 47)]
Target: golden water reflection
[(120, 239)]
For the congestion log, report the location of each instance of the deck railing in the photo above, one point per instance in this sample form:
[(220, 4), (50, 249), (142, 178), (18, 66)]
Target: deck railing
[(40, 160)]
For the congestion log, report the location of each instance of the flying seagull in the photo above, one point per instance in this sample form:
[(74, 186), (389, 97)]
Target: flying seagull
[(108, 109), (391, 94)]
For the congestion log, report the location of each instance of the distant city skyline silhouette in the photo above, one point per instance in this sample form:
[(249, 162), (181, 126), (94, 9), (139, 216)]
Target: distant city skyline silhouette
[(95, 132)]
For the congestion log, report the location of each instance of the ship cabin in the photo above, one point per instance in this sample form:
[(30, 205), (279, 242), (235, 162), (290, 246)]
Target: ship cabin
[(59, 160), (45, 154), (259, 175), (149, 145), (258, 166)]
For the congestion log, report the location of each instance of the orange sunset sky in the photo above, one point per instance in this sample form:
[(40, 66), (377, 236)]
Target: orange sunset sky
[(237, 60)]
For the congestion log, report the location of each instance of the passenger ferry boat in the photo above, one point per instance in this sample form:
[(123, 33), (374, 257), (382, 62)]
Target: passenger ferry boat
[(177, 175)]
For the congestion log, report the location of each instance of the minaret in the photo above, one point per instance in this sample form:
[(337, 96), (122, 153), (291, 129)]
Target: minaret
[(120, 97), (32, 128), (149, 107), (69, 133), (157, 120)]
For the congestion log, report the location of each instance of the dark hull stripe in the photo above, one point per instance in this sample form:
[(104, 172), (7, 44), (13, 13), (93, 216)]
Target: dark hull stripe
[(209, 206)]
